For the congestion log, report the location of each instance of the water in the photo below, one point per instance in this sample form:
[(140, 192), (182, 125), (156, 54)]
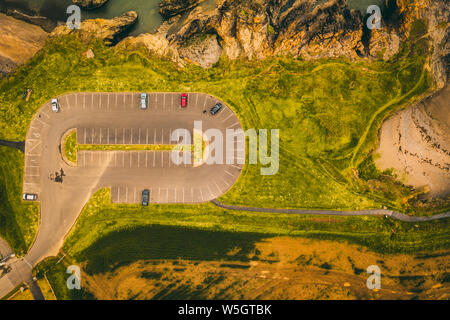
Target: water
[(149, 17)]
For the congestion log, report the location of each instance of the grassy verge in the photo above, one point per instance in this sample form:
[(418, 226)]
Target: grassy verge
[(57, 277), (18, 219)]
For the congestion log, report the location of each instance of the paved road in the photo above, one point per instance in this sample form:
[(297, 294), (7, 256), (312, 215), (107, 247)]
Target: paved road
[(114, 118), (373, 212)]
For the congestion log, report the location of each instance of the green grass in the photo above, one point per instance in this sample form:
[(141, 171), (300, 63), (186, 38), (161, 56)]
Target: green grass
[(119, 234), (18, 219), (70, 146), (328, 112), (55, 271)]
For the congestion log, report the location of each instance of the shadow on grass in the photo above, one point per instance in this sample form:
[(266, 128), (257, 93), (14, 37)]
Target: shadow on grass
[(165, 242)]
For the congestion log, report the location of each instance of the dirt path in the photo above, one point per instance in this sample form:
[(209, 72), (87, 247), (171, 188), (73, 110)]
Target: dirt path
[(372, 212)]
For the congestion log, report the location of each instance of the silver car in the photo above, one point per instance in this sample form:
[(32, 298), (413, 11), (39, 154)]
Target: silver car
[(144, 101), (55, 105), (29, 197)]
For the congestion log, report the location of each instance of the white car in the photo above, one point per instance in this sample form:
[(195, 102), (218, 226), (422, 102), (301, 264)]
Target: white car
[(55, 105), (144, 101), (29, 197)]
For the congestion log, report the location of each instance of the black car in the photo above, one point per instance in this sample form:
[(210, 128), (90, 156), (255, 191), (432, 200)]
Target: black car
[(145, 197), (217, 107)]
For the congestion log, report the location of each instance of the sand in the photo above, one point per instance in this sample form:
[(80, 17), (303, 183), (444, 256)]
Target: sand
[(415, 142)]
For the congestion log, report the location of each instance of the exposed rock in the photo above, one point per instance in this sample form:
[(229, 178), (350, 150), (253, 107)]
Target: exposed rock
[(438, 15), (19, 41), (46, 24), (170, 8), (110, 30), (157, 44), (89, 54), (204, 51), (89, 4), (416, 143)]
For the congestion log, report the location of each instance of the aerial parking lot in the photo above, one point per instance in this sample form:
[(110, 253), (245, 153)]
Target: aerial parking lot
[(117, 119)]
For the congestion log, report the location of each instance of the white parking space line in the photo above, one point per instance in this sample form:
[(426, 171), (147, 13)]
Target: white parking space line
[(84, 100), (146, 139), (220, 191), (201, 194), (209, 189), (45, 114), (42, 122), (228, 173), (146, 159), (226, 183), (227, 117)]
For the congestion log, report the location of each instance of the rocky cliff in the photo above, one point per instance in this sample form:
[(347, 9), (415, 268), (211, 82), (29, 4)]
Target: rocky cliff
[(19, 41), (110, 30)]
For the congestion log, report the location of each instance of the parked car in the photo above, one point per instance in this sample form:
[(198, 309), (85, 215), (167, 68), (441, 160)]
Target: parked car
[(55, 105), (29, 196), (217, 107), (145, 197), (144, 101), (184, 100)]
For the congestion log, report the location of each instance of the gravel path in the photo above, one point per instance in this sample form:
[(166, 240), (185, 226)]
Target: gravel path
[(373, 212)]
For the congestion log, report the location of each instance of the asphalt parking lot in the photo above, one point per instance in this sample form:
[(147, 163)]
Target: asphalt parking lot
[(116, 118)]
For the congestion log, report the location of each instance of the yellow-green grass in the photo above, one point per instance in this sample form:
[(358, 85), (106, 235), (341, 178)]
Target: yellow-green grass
[(46, 289)]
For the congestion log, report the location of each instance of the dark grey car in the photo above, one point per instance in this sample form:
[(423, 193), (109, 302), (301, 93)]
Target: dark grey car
[(217, 107), (145, 197)]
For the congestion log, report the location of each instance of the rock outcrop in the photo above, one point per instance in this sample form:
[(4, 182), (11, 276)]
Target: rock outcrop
[(170, 8), (90, 4), (110, 30), (19, 41)]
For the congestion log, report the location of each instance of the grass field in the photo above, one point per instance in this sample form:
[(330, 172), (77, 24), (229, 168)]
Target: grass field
[(18, 219), (119, 234), (271, 268), (328, 112)]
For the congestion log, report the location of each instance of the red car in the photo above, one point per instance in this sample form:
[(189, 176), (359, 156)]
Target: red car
[(184, 100)]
